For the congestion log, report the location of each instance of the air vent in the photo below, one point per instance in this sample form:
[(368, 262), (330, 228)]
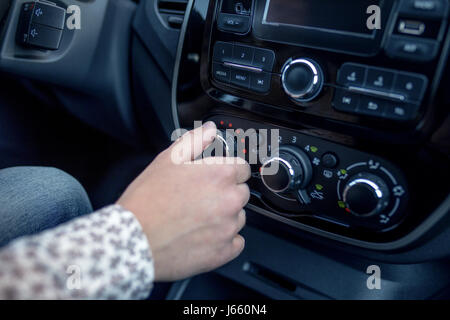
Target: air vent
[(172, 12)]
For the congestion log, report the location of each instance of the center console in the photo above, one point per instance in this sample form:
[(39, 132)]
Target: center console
[(355, 92)]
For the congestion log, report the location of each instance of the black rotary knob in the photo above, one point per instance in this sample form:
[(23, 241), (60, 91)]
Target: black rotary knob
[(288, 171), (366, 194), (302, 79)]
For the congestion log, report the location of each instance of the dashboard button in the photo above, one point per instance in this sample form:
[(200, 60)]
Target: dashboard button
[(44, 37), (260, 82), (223, 51), (264, 59), (233, 22), (371, 107), (329, 160), (240, 78), (411, 48), (345, 101), (379, 79), (49, 15), (402, 112), (221, 73), (243, 54), (424, 8), (413, 86), (351, 75)]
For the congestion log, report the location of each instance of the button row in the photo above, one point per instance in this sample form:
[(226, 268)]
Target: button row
[(384, 82), (245, 55), (354, 103), (255, 81)]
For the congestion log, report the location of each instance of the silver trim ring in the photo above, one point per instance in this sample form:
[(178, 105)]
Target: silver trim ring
[(290, 170), (376, 190), (314, 82)]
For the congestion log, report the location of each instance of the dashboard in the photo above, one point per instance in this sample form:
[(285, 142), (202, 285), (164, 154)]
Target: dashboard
[(348, 100), (349, 103)]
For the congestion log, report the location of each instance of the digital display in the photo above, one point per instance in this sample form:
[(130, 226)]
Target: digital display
[(345, 16)]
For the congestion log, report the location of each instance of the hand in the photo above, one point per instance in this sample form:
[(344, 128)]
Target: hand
[(190, 210)]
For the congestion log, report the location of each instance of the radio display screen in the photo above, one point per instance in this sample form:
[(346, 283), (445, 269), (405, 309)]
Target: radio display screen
[(339, 16)]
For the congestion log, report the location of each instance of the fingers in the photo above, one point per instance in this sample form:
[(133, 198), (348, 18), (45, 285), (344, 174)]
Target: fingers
[(243, 171), (234, 249), (191, 145), (244, 194), (242, 218)]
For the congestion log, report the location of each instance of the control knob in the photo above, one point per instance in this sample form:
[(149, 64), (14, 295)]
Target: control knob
[(302, 79), (366, 194), (289, 171)]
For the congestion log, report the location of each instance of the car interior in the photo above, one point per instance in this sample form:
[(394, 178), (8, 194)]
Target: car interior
[(358, 91)]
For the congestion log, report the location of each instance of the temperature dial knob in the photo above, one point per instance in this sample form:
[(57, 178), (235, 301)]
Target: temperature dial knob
[(302, 79), (289, 171), (366, 194)]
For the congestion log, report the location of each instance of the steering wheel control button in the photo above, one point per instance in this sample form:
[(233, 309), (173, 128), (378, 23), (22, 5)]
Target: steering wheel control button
[(351, 75), (221, 73), (223, 51), (302, 79), (346, 101), (240, 78), (41, 25), (233, 23), (264, 59), (260, 82)]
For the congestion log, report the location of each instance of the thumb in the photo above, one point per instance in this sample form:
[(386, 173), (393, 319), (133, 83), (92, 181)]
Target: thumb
[(191, 145)]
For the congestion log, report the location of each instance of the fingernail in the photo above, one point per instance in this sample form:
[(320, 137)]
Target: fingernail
[(209, 125)]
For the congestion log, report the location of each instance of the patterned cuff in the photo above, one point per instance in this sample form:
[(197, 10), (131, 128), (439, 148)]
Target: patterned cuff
[(104, 255)]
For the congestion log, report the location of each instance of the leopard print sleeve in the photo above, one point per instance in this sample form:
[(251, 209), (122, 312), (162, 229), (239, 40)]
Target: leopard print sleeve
[(104, 255)]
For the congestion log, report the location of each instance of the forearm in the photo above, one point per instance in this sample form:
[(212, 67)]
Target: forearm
[(104, 255)]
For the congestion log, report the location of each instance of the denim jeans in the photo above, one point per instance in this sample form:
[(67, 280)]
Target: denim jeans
[(33, 199)]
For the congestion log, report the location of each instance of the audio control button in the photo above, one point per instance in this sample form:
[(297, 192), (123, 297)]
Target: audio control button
[(260, 82), (302, 79), (243, 54), (240, 78), (264, 59), (221, 73), (223, 51), (233, 23), (346, 101)]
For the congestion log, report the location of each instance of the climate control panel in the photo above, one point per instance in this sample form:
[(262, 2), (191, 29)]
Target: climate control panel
[(304, 178)]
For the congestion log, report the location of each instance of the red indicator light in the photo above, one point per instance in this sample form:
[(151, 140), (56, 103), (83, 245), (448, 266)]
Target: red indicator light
[(348, 210), (244, 151), (230, 125), (221, 123)]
